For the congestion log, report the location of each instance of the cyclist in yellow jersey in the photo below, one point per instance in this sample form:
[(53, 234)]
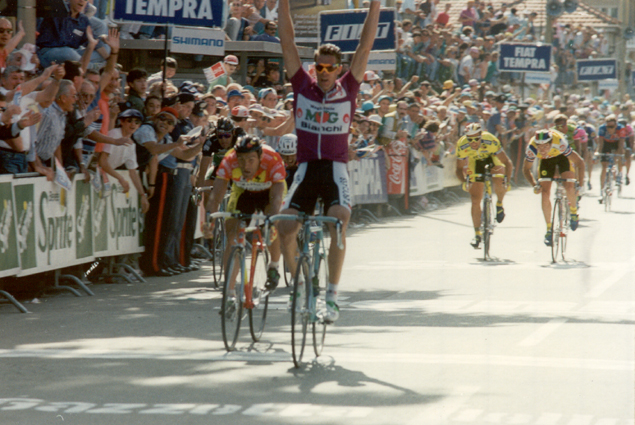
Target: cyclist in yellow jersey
[(553, 150), (474, 151)]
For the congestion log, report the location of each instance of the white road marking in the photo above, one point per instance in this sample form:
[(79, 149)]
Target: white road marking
[(542, 332), (580, 420), (438, 413), (548, 419), (619, 271)]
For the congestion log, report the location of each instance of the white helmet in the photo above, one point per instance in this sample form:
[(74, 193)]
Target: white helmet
[(473, 129), (288, 144)]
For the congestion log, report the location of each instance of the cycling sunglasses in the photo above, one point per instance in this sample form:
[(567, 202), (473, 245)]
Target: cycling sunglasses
[(225, 135), (321, 67), (473, 139)]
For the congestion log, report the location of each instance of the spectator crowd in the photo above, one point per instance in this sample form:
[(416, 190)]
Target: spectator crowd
[(69, 104)]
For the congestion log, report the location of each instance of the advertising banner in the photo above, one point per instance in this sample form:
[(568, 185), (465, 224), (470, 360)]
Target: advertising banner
[(537, 78), (118, 220), (368, 180), (198, 41), (198, 13), (305, 16), (382, 61), (9, 258), (424, 178), (524, 58), (397, 152), (24, 195), (596, 70), (344, 29)]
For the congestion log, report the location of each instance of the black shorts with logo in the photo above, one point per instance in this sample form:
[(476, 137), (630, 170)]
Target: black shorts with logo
[(548, 166)]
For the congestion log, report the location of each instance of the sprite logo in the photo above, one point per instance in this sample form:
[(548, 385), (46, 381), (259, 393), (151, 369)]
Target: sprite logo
[(125, 219), (100, 211), (24, 225), (82, 218), (57, 231), (5, 225)]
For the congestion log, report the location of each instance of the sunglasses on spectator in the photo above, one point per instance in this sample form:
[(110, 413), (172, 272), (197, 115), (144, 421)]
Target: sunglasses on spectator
[(225, 135), (321, 67), (166, 120)]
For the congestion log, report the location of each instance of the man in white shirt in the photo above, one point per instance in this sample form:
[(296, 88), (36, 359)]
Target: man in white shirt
[(113, 157)]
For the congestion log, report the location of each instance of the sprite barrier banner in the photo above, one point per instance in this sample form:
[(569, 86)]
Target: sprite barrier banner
[(424, 178), (117, 221), (44, 227), (9, 258)]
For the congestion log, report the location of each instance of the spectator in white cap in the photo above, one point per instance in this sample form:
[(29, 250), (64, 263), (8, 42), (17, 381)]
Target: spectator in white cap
[(268, 98), (230, 64), (113, 157), (240, 115), (467, 67)]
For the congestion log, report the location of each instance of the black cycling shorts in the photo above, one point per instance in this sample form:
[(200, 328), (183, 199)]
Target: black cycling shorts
[(548, 166), (323, 179)]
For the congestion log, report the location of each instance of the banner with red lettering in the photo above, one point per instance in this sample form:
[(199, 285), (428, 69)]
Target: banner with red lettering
[(397, 152)]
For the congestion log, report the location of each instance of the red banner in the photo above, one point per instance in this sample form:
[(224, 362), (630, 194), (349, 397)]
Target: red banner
[(397, 152)]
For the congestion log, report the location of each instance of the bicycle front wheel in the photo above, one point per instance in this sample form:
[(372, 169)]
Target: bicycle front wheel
[(258, 313), (299, 310), (218, 248), (556, 229), (232, 305), (565, 232), (320, 280), (487, 227)]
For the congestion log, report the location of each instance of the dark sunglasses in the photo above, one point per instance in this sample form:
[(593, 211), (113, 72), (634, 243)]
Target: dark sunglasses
[(225, 135), (167, 120)]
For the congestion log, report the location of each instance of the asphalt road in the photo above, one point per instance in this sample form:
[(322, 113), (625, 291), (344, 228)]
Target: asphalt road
[(429, 334)]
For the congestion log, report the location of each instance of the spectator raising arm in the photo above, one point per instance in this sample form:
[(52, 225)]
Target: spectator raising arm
[(369, 31), (287, 39)]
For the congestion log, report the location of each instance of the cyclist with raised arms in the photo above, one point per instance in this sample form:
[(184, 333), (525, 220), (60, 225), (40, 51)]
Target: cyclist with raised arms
[(475, 150), (324, 109), (257, 175), (553, 150)]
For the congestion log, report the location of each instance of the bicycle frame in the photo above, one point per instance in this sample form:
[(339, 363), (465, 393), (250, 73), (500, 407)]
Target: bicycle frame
[(611, 173), (487, 211), (560, 218)]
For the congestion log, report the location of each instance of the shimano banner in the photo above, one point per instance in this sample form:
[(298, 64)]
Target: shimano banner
[(595, 70), (200, 13), (524, 57), (344, 29), (198, 41)]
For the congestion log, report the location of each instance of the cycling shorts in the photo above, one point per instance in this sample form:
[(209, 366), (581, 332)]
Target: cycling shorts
[(548, 166), (608, 148), (477, 166), (323, 179), (247, 202)]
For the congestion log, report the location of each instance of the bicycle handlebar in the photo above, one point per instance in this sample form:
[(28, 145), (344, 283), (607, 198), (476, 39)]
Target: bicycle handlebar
[(302, 218)]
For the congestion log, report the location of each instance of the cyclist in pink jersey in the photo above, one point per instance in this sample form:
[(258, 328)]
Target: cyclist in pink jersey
[(324, 109)]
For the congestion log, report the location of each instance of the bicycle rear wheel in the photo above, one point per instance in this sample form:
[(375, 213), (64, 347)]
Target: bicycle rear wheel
[(565, 232), (320, 280), (218, 248), (299, 310), (258, 314), (487, 226), (231, 315), (556, 229), (288, 277)]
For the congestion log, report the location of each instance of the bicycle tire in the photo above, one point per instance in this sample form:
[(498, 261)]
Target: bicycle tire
[(487, 226), (299, 310), (230, 321), (609, 192), (288, 277), (218, 249), (556, 229), (320, 280), (258, 314)]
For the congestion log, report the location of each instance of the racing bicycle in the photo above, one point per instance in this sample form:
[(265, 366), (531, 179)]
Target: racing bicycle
[(559, 218), (488, 211), (610, 181), (308, 306), (248, 284)]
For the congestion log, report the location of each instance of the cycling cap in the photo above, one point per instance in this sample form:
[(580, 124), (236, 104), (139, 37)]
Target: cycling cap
[(288, 144), (248, 144), (473, 129), (225, 125), (622, 121), (542, 137)]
